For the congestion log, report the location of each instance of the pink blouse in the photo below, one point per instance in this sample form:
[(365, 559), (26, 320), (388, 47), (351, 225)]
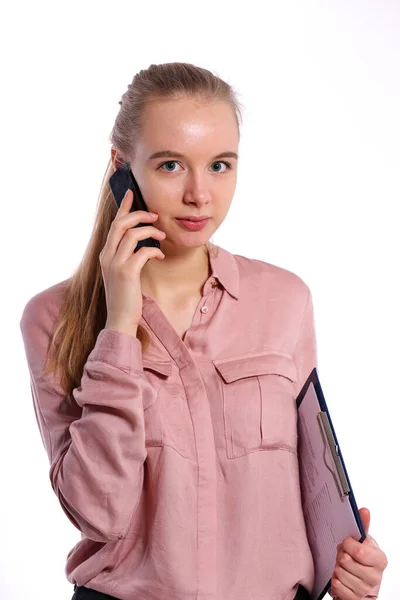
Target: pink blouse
[(179, 466)]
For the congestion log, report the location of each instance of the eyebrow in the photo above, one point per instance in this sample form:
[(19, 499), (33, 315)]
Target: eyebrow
[(172, 153)]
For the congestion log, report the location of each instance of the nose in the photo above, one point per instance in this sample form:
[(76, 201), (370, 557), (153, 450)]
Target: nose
[(197, 190)]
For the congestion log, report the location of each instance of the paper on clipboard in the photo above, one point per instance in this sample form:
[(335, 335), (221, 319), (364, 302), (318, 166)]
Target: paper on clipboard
[(329, 507)]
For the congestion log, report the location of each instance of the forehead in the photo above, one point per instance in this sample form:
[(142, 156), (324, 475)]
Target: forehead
[(188, 123)]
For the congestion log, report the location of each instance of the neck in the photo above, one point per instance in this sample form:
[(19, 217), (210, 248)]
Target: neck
[(182, 273)]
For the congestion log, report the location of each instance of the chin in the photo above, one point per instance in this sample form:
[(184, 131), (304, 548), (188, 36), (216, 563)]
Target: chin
[(188, 240)]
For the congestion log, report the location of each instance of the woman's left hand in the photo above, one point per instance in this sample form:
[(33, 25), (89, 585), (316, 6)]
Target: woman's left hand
[(359, 566)]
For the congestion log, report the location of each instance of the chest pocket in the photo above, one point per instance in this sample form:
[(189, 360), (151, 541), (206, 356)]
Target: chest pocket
[(157, 373), (167, 417), (259, 403)]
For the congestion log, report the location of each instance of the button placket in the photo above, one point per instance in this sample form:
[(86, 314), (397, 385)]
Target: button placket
[(204, 308)]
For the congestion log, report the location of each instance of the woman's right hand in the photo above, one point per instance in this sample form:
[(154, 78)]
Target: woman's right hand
[(121, 267)]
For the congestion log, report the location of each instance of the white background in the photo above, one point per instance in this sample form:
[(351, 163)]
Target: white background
[(317, 193)]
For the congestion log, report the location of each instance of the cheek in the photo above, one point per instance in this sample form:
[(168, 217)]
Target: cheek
[(164, 203), (159, 190), (223, 208)]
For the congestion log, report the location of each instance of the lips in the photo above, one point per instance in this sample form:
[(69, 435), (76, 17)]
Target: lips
[(192, 225), (195, 219)]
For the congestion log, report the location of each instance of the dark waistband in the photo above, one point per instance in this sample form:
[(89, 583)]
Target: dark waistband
[(301, 594)]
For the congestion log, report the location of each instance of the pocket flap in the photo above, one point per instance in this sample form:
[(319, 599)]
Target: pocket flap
[(262, 363), (163, 367)]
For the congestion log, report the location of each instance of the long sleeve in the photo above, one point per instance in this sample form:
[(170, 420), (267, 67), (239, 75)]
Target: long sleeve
[(96, 448), (306, 358), (305, 355)]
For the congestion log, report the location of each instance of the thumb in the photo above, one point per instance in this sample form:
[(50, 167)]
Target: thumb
[(366, 518)]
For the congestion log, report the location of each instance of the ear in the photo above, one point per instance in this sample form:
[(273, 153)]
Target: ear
[(117, 162)]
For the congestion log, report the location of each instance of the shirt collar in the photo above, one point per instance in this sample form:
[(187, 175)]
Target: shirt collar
[(224, 268)]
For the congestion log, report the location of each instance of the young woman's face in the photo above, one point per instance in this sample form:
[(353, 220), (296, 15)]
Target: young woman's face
[(196, 183)]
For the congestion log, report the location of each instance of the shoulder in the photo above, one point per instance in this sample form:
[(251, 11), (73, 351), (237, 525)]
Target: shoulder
[(274, 279), (41, 310)]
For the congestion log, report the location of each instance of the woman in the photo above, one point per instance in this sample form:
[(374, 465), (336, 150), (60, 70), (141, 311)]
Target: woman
[(168, 410)]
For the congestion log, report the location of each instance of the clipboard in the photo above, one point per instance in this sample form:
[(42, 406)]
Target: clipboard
[(330, 491)]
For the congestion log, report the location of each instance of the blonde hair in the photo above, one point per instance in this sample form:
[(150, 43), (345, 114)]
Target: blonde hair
[(84, 310)]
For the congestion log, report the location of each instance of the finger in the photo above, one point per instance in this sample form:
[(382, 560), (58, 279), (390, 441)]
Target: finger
[(129, 241), (356, 569), (144, 254), (126, 203), (357, 585), (341, 591), (366, 554), (372, 541), (117, 232)]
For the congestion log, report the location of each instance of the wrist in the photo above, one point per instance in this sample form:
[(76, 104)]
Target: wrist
[(123, 328)]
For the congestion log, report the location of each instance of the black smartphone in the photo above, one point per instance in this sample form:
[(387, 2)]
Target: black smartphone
[(120, 182)]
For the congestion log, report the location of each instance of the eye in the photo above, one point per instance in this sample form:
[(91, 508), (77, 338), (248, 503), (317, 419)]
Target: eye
[(171, 162), (228, 166)]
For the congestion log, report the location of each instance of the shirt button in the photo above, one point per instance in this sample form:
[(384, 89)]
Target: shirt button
[(204, 309), (121, 536)]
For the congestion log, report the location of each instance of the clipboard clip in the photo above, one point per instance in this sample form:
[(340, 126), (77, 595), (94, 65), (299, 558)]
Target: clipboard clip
[(329, 441)]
